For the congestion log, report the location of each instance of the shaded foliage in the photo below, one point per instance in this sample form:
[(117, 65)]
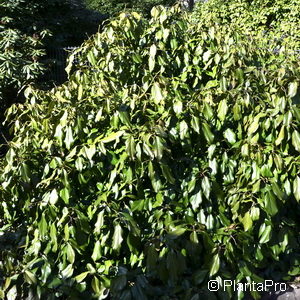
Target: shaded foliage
[(116, 6), (27, 29)]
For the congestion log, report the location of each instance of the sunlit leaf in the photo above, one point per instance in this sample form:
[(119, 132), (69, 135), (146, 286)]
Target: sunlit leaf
[(117, 237)]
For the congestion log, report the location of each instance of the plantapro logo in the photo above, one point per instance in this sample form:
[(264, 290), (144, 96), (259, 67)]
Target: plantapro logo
[(216, 285)]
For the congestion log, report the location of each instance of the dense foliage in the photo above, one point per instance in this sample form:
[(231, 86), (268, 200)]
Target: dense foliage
[(279, 17), (23, 37), (111, 7), (170, 157)]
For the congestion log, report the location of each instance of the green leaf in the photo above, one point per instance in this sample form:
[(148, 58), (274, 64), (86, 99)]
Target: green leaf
[(10, 155), (96, 286), (53, 197), (65, 195), (296, 140), (58, 134), (277, 191), (293, 87), (196, 200), (177, 231), (266, 171), (124, 117), (265, 235), (296, 188), (199, 276), (12, 293), (206, 187), (96, 252), (195, 124), (222, 109), (177, 107), (215, 265), (211, 84), (43, 226), (130, 147), (280, 137), (137, 58), (158, 147), (230, 136), (67, 272), (79, 278), (209, 136), (244, 268), (70, 254), (167, 173), (29, 277), (254, 125), (254, 213), (153, 50), (91, 58), (151, 63), (270, 203), (159, 200), (53, 236), (237, 111), (117, 237), (80, 92), (223, 84), (156, 93), (89, 151), (137, 205), (25, 172), (183, 129), (287, 187), (247, 221), (100, 222), (113, 136), (69, 137), (174, 44), (207, 55), (66, 232), (45, 272)]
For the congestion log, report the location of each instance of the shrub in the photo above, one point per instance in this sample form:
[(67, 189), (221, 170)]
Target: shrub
[(170, 157)]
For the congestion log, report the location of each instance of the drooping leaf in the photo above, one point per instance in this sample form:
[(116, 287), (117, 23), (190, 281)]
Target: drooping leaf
[(117, 237), (96, 252), (53, 197), (265, 235), (113, 136), (215, 265), (65, 195), (222, 109), (156, 93), (207, 133), (296, 188), (70, 254), (296, 140), (247, 221), (293, 87)]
